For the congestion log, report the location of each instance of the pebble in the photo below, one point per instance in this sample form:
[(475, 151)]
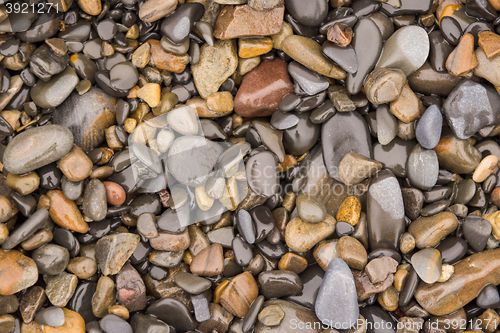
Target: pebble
[(462, 59), (345, 132), (262, 89), (53, 92), (311, 82), (76, 165), (165, 60), (427, 264), (384, 85), (113, 251), (487, 68), (263, 186), (486, 167), (115, 194), (367, 45), (337, 289), (209, 261), (387, 125), (25, 152), (51, 259), (176, 27), (253, 47), (148, 324), (446, 273), (52, 316), (457, 296), (301, 236), (428, 130), (309, 53), (18, 272), (113, 323), (60, 288), (243, 21), (488, 298), (82, 267), (209, 73), (239, 294), (94, 200), (65, 213), (73, 323), (385, 211), (104, 296), (426, 80), (345, 57), (407, 106), (300, 138), (280, 283), (422, 168), (488, 42), (354, 168), (271, 315), (352, 252), (27, 229), (309, 209), (476, 232), (292, 262), (153, 10), (131, 290)]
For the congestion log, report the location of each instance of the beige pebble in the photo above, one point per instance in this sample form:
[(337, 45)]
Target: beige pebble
[(389, 299), (399, 279), (446, 273), (407, 243), (150, 93), (119, 310), (486, 167)]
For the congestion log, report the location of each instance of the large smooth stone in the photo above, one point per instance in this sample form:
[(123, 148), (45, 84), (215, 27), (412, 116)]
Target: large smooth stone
[(422, 168), (345, 132), (87, 116), (295, 316), (262, 89), (471, 275), (407, 49), (53, 92), (217, 63), (429, 231), (37, 147), (470, 107), (337, 303), (367, 43), (385, 211), (428, 81), (191, 159)]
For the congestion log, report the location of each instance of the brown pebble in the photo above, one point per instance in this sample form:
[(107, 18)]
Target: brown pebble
[(65, 213), (378, 268), (400, 278), (489, 320), (340, 34), (76, 165), (17, 272), (462, 59), (38, 239), (209, 261), (104, 296), (91, 7), (325, 251), (292, 262), (365, 288), (23, 184), (389, 299), (7, 323), (489, 42), (30, 302), (239, 294), (349, 211), (115, 194), (119, 310), (220, 102), (82, 267), (162, 59), (170, 242), (407, 106), (352, 252)]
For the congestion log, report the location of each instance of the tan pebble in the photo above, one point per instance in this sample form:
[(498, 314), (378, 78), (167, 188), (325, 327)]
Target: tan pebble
[(462, 59), (489, 320), (40, 238), (91, 7), (446, 272), (399, 279), (133, 32), (254, 46), (82, 267), (340, 34), (23, 184), (349, 211), (12, 118), (141, 56), (489, 42), (486, 167), (76, 165), (204, 201), (286, 31), (246, 65), (407, 106), (129, 125), (324, 252), (271, 315), (289, 201), (102, 172), (104, 297), (221, 102), (119, 310), (389, 299), (112, 139), (406, 243), (151, 94), (292, 262), (352, 252)]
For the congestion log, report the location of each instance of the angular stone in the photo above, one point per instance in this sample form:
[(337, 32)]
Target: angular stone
[(114, 250), (60, 288), (262, 89), (217, 63), (17, 272), (487, 68), (426, 80), (65, 213), (354, 168), (131, 291), (153, 10), (243, 21), (462, 59), (302, 236), (365, 288), (384, 85), (457, 155), (489, 42), (379, 268), (407, 106)]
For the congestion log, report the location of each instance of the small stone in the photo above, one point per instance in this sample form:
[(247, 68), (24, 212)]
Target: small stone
[(30, 302), (384, 85), (131, 290), (388, 299), (365, 288), (191, 283), (488, 298), (94, 200), (91, 7), (52, 316), (243, 21), (486, 167), (220, 102), (309, 209), (446, 273), (239, 294), (309, 53), (164, 60), (65, 213), (113, 323), (301, 236), (422, 168), (104, 297), (462, 59), (153, 10), (150, 93), (271, 315), (387, 125), (279, 283), (340, 98), (120, 311), (252, 47), (340, 34), (352, 252), (354, 168), (73, 323), (489, 42), (379, 268), (476, 232), (312, 83), (44, 94), (292, 262), (208, 262), (17, 272), (349, 211), (76, 165), (428, 131), (115, 194), (114, 250), (60, 288), (427, 264), (407, 243), (407, 106), (429, 231), (82, 267), (51, 259), (457, 155), (217, 63), (337, 289)]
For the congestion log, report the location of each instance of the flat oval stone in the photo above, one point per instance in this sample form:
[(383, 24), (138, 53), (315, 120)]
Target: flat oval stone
[(178, 25), (345, 57), (36, 148), (312, 13), (429, 231), (422, 168), (337, 304), (367, 43), (123, 75), (17, 272), (407, 49), (428, 131), (53, 92), (282, 121), (94, 200), (385, 211), (262, 89), (51, 259), (302, 236), (279, 283), (112, 323), (345, 132), (471, 275), (262, 174), (191, 159), (53, 316), (470, 107)]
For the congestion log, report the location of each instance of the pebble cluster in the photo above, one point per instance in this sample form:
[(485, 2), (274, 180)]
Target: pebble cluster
[(249, 166)]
